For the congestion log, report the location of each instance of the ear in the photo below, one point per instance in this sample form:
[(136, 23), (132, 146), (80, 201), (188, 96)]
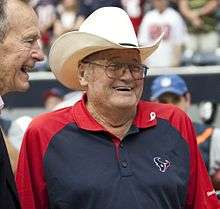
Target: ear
[(188, 98), (83, 75)]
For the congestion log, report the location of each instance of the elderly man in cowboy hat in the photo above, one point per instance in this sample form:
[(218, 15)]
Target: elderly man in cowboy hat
[(110, 150)]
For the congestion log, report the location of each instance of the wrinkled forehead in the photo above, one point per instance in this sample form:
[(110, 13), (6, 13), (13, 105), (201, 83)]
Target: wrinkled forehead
[(115, 55), (21, 17)]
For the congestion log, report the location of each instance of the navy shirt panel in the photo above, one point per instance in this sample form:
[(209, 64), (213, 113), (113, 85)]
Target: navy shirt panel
[(150, 170), (87, 163), (161, 185)]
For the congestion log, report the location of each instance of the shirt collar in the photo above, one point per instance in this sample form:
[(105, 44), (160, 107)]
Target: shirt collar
[(83, 118), (1, 103), (145, 116)]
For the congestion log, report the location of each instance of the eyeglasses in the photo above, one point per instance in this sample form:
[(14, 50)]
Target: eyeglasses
[(138, 71)]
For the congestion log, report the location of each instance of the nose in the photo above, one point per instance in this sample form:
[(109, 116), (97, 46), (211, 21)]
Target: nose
[(126, 74), (37, 53)]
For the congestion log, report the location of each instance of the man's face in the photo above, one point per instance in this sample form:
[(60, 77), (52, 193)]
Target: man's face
[(183, 102), (121, 92), (20, 49)]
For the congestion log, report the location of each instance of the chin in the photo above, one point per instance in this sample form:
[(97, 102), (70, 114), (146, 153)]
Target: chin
[(125, 104)]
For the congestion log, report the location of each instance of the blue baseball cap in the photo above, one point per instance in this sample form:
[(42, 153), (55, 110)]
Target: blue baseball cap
[(168, 83)]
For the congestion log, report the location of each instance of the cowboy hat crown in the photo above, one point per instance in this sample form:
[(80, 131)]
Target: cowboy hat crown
[(105, 28)]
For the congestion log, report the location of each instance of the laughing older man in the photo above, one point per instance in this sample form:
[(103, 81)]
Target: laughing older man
[(19, 51)]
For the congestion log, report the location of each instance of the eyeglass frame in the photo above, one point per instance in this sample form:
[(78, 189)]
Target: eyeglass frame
[(122, 69)]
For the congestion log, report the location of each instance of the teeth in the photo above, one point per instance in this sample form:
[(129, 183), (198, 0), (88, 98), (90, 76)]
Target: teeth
[(26, 68), (123, 88)]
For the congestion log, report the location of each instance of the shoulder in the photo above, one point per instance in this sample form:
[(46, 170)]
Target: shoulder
[(61, 115), (177, 118), (44, 127), (51, 122), (163, 111)]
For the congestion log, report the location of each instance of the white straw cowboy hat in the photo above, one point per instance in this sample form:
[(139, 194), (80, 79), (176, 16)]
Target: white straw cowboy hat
[(106, 28)]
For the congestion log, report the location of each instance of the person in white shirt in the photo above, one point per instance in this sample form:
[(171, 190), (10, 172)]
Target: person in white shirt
[(163, 18)]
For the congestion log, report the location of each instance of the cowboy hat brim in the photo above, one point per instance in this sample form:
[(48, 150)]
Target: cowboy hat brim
[(72, 47)]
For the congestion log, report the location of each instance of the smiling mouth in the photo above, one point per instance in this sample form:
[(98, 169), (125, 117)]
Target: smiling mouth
[(26, 68), (123, 88)]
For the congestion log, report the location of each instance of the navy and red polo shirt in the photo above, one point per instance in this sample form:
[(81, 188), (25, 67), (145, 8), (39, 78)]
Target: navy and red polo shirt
[(69, 161)]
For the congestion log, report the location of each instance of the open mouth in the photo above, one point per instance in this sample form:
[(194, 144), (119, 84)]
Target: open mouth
[(26, 69), (123, 88)]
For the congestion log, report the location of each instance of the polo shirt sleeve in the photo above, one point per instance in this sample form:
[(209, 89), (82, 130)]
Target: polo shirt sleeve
[(200, 192), (29, 176)]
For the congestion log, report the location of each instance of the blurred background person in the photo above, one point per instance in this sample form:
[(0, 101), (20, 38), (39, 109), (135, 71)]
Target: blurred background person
[(17, 130), (172, 89), (135, 10), (208, 112), (5, 124), (47, 14), (163, 18), (201, 19), (86, 7), (69, 99), (67, 10), (15, 136), (52, 97)]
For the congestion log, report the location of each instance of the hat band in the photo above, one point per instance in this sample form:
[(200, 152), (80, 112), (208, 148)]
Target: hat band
[(127, 44)]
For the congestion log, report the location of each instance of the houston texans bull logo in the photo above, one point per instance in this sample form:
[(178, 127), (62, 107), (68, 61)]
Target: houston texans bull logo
[(163, 165)]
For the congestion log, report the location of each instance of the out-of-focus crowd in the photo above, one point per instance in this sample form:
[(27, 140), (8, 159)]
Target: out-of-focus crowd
[(192, 27)]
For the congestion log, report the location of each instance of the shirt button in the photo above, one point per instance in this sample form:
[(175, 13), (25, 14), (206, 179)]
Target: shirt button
[(121, 145), (124, 164)]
